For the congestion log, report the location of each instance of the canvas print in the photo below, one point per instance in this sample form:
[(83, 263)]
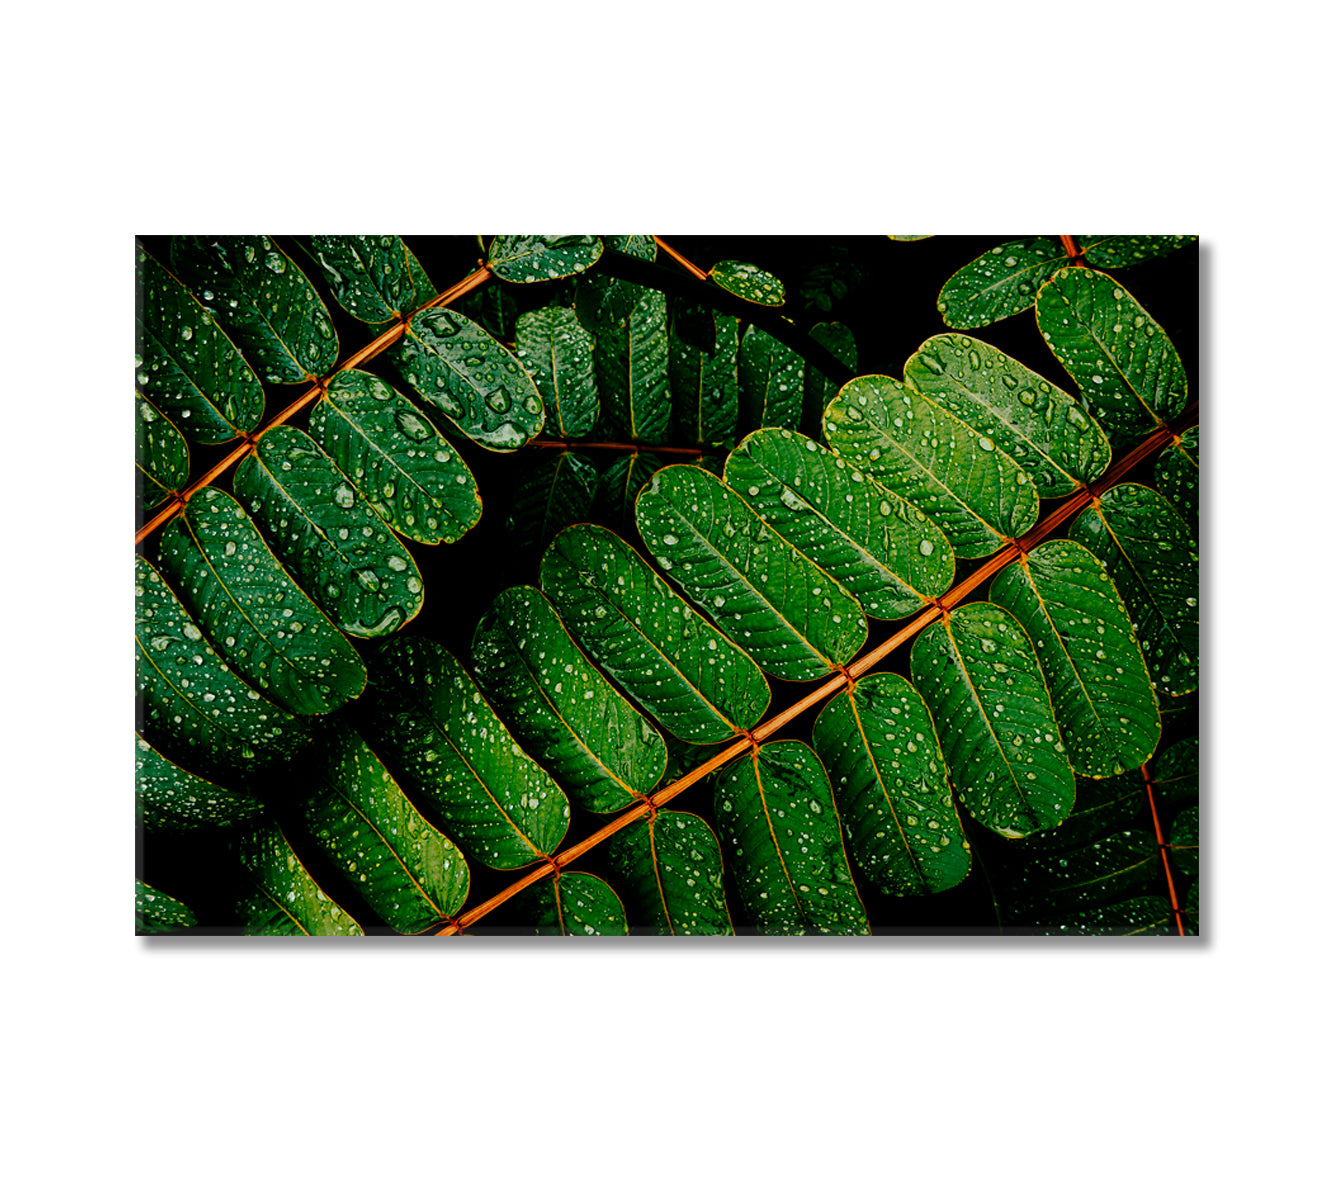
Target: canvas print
[(671, 585)]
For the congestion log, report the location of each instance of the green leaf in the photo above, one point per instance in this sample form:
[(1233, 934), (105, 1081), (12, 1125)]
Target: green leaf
[(749, 282), (1108, 253), (1184, 843), (1100, 687), (878, 546), (426, 718), (1041, 427), (186, 365), (703, 378), (960, 478), (405, 869), (377, 279), (1101, 806), (770, 380), (264, 300), (478, 384), (797, 621), (909, 237), (1000, 283), (156, 912), (557, 492), (535, 258), (817, 388), (258, 619), (1154, 562), (558, 352), (1126, 366), (1176, 772), (574, 905), (400, 463), (630, 363), (619, 485), (283, 899), (692, 679), (776, 812), (669, 872), (1177, 474), (879, 746), (1142, 916), (599, 749), (191, 703), (160, 454), (637, 245), (171, 798), (976, 671), (331, 541), (494, 308), (1122, 864)]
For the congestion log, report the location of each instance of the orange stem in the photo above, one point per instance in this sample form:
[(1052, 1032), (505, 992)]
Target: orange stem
[(556, 444), (1072, 250), (1162, 849), (681, 258)]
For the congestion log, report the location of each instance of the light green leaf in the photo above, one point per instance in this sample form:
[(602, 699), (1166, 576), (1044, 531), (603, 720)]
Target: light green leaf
[(619, 484), (749, 282), (879, 746), (186, 365), (770, 381), (1177, 474), (253, 612), (405, 869), (977, 673), (630, 363), (557, 352), (1100, 687), (1000, 283), (878, 546), (972, 489), (669, 872), (1154, 562), (283, 899), (1140, 917), (400, 463), (160, 454), (535, 258), (599, 749), (478, 384), (574, 905), (331, 541), (1122, 864), (1108, 253), (693, 680), (156, 912), (776, 813), (1126, 366), (796, 620), (171, 798), (191, 703), (555, 493), (1041, 427), (817, 388), (427, 720), (702, 369), (909, 237), (262, 297), (375, 278)]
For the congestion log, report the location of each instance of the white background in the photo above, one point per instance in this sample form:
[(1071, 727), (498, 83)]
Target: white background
[(461, 1067)]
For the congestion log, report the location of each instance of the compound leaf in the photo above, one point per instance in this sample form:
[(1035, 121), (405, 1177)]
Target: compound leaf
[(817, 388), (156, 912), (168, 797), (670, 875), (770, 378), (702, 371), (557, 351), (160, 454), (554, 494), (630, 364), (1000, 283), (749, 282), (1177, 474), (1108, 253), (535, 258), (284, 900), (377, 279), (575, 905)]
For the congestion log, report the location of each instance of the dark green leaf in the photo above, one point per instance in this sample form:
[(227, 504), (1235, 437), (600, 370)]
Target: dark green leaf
[(427, 719), (534, 258), (630, 363), (1100, 686), (171, 798), (375, 278), (977, 673), (704, 381), (669, 872), (406, 471), (749, 282), (1122, 864), (264, 300), (1143, 916), (776, 814), (1000, 283), (770, 379), (1176, 772), (257, 618), (868, 539), (1041, 427), (1177, 474), (975, 492), (557, 352), (494, 308), (283, 899), (817, 388), (879, 746), (695, 682), (638, 245), (1107, 253), (331, 541), (478, 384), (186, 365), (598, 748), (160, 454), (557, 492), (1184, 843), (1126, 366), (1101, 806), (156, 912), (405, 869), (796, 620), (619, 485), (574, 905), (1153, 560)]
